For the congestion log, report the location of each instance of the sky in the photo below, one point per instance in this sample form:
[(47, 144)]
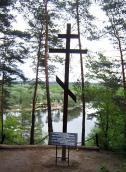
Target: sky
[(104, 46)]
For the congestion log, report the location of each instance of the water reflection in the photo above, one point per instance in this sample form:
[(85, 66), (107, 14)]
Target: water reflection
[(56, 115), (74, 122), (22, 124)]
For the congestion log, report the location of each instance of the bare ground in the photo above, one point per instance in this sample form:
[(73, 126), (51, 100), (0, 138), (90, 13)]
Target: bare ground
[(42, 159)]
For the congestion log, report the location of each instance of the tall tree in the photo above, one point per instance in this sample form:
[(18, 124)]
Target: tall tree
[(36, 29), (41, 28), (116, 28), (82, 74), (50, 127), (12, 53), (36, 87), (80, 11), (104, 99)]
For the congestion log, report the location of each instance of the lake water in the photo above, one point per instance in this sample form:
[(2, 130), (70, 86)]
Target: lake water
[(74, 124)]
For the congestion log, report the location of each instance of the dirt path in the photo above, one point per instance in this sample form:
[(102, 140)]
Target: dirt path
[(43, 160)]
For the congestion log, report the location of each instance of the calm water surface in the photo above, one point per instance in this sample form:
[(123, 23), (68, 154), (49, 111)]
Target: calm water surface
[(74, 124)]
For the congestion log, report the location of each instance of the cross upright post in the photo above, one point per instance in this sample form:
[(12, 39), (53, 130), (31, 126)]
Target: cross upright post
[(68, 36), (67, 61)]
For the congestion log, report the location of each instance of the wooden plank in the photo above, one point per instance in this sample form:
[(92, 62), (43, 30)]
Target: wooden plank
[(69, 51), (68, 91), (74, 36)]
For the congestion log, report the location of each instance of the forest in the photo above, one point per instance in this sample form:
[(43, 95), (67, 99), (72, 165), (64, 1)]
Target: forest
[(101, 81)]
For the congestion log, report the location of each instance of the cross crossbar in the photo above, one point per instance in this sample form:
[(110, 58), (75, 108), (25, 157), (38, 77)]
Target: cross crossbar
[(67, 51), (74, 36), (67, 90)]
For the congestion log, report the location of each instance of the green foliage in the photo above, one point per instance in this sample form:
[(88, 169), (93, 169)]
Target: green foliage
[(12, 132), (104, 169), (12, 53), (87, 27), (106, 97), (21, 96), (56, 93), (17, 128)]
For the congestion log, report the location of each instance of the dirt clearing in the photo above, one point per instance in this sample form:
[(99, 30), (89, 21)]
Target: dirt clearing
[(42, 159)]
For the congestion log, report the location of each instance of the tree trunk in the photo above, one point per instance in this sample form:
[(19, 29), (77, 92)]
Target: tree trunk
[(1, 107), (123, 79), (107, 131), (50, 128), (124, 85), (117, 36), (35, 92), (82, 77)]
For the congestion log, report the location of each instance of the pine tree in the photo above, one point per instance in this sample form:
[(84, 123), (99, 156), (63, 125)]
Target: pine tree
[(41, 29), (116, 28), (79, 11), (50, 127), (11, 53), (82, 74), (104, 98)]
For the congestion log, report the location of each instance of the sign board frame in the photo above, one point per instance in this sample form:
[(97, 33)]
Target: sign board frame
[(66, 140), (63, 139)]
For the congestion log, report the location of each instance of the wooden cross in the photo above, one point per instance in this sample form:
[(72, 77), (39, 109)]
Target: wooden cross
[(68, 36), (65, 85)]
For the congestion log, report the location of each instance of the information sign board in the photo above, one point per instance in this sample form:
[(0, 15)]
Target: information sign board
[(63, 139)]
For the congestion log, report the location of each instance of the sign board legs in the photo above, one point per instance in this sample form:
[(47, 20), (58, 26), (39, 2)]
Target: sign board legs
[(66, 157)]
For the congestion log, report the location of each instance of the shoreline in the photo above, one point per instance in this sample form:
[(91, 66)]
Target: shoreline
[(56, 107)]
